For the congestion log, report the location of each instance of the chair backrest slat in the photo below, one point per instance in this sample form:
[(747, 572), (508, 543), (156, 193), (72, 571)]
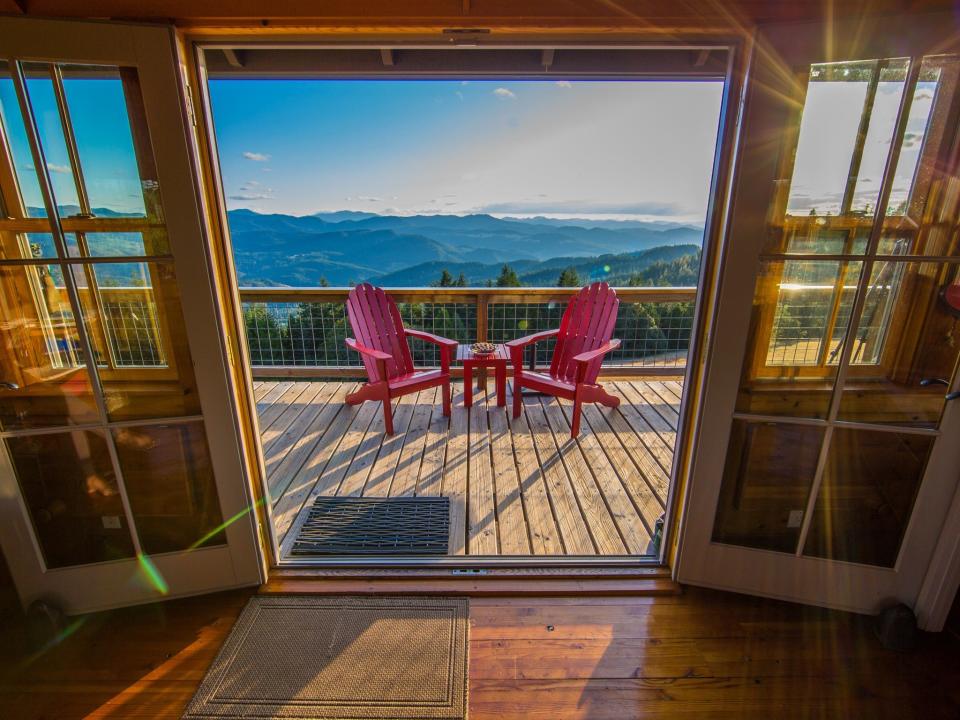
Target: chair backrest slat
[(587, 324), (376, 322)]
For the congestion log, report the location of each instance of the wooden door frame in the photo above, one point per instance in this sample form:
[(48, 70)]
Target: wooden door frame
[(192, 45)]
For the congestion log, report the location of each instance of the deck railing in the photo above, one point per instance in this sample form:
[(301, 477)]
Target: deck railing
[(301, 331)]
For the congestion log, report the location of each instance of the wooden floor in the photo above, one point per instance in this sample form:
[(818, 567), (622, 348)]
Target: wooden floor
[(703, 655), (516, 487)]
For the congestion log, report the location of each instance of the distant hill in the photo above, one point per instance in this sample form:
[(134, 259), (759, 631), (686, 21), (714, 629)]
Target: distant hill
[(349, 247), (614, 268)]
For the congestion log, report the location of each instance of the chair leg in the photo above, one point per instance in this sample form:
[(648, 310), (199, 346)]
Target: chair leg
[(387, 415), (577, 409), (446, 399), (517, 397)]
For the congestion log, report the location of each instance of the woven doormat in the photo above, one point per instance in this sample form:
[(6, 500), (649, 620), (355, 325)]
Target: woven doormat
[(325, 658)]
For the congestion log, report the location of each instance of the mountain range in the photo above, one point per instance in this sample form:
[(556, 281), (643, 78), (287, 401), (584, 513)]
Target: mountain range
[(402, 251), (347, 247)]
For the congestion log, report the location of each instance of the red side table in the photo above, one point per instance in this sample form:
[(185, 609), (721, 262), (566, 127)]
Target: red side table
[(496, 360)]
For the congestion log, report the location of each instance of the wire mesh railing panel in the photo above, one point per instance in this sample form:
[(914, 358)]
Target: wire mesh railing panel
[(133, 333), (312, 334), (509, 321), (455, 321), (651, 334), (799, 325), (298, 334)]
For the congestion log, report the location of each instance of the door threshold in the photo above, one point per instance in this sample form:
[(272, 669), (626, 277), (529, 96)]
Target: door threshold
[(475, 582)]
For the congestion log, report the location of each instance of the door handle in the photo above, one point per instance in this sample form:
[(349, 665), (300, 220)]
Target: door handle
[(925, 382)]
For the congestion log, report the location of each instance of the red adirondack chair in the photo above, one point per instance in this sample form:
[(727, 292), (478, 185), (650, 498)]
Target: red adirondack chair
[(382, 344), (582, 340)]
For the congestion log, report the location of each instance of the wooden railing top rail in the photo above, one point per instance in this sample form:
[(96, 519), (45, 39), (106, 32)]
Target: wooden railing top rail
[(463, 295)]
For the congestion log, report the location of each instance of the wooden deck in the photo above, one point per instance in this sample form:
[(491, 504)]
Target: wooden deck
[(517, 487)]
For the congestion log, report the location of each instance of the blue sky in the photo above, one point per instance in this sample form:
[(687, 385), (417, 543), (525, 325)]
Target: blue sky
[(584, 148), (99, 118), (615, 149)]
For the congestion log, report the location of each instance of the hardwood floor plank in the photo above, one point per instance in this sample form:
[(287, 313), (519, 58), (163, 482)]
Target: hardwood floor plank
[(675, 387), (652, 407), (543, 532), (455, 478), (283, 468), (593, 504), (606, 475), (570, 521), (269, 435), (481, 509), (404, 480), (269, 398), (290, 439), (367, 450), (642, 477), (272, 414), (391, 447), (262, 388), (430, 478), (654, 432), (511, 520), (703, 654)]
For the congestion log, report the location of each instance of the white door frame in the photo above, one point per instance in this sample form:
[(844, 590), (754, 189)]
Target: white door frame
[(151, 49), (778, 51)]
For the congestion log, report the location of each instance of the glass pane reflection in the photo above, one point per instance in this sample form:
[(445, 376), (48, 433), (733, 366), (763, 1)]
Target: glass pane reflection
[(71, 494), (866, 497), (169, 481)]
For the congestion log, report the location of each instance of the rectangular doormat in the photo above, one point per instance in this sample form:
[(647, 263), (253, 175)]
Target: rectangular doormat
[(333, 657), (375, 526)]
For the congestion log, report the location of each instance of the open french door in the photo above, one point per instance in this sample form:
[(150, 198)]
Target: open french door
[(828, 455), (121, 473)]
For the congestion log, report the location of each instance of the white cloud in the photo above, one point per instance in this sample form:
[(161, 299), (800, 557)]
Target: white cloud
[(564, 84), (504, 94), (252, 196), (255, 156), (52, 167)]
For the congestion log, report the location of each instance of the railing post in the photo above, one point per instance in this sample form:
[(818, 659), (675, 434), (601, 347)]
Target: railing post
[(482, 305)]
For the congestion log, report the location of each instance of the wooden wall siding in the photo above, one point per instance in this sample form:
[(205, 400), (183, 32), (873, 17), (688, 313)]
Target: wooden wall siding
[(699, 655), (517, 487)]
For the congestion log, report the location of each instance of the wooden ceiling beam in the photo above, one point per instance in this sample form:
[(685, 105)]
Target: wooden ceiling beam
[(653, 15)]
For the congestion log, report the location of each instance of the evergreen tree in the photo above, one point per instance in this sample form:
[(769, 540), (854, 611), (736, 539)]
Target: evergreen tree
[(461, 280), (569, 278), (324, 282), (446, 279), (508, 278)]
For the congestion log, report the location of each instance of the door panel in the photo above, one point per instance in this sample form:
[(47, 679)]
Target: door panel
[(824, 416), (116, 413)]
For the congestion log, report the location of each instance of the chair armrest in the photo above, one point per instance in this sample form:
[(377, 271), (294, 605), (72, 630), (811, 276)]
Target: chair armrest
[(531, 339), (364, 350), (431, 338), (586, 357)]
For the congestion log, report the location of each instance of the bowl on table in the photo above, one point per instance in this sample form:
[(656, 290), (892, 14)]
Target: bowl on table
[(483, 348)]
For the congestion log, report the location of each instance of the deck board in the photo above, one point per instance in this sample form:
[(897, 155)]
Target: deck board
[(517, 486)]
